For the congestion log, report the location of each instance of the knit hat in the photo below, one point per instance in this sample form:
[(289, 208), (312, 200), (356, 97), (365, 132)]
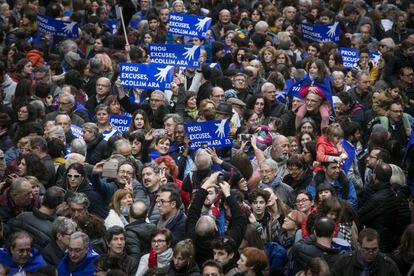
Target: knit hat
[(35, 57)]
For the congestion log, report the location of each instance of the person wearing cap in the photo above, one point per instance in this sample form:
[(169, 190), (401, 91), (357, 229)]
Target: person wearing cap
[(238, 108)]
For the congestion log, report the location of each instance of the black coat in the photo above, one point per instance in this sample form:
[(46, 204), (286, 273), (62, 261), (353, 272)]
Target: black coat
[(124, 262), (138, 238), (303, 182), (96, 150), (52, 253), (350, 264), (97, 206), (308, 248), (274, 109), (380, 212), (37, 224), (202, 245)]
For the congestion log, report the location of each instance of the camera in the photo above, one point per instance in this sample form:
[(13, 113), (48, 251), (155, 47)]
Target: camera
[(220, 178), (245, 137), (204, 145)]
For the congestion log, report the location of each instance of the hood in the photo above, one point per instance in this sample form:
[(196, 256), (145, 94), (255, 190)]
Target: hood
[(34, 263)]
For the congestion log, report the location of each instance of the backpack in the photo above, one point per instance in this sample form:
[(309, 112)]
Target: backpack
[(276, 254)]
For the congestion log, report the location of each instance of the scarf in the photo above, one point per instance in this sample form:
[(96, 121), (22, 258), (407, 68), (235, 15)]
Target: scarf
[(163, 222), (152, 259), (191, 112)]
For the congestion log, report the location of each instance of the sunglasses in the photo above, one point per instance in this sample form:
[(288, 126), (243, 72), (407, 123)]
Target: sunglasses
[(76, 176), (195, 3)]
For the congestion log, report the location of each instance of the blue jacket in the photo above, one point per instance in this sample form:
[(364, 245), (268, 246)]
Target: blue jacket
[(86, 268), (352, 196), (33, 264)]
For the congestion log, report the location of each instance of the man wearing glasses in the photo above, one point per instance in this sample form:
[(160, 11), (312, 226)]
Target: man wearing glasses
[(20, 256), (79, 259), (103, 89), (366, 258)]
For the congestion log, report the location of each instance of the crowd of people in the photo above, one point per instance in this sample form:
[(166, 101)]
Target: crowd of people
[(319, 179)]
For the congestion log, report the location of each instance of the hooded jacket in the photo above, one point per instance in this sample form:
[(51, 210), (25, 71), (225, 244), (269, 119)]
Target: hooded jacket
[(138, 238), (85, 268), (32, 265)]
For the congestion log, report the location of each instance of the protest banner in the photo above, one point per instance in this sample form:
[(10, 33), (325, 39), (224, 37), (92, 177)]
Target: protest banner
[(375, 57), (175, 54), (77, 131), (212, 134), (188, 25), (146, 76), (350, 56), (122, 123), (57, 27), (320, 33)]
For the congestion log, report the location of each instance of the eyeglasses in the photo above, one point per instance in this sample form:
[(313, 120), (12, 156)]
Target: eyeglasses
[(162, 201), (381, 46), (195, 3), (126, 172), (23, 250), (155, 100), (301, 201), (409, 75), (373, 157), (397, 111), (158, 241), (76, 176), (63, 103)]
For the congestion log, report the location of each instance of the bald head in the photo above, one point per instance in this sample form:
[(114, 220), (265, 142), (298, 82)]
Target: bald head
[(205, 226), (138, 210)]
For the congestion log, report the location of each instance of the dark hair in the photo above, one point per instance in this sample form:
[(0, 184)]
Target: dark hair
[(174, 193), (56, 148), (5, 120), (132, 127), (317, 266), (259, 192), (53, 197), (30, 109), (225, 243), (369, 234), (11, 242), (93, 226), (252, 237), (47, 270), (383, 172), (163, 231), (38, 142), (324, 227), (77, 167), (112, 231), (34, 165), (305, 192), (212, 263), (242, 163), (383, 155), (311, 147), (296, 160), (350, 128)]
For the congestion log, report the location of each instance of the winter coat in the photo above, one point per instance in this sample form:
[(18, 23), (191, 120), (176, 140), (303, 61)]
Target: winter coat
[(403, 260), (300, 184), (202, 244), (32, 265), (124, 262), (114, 219), (177, 227), (52, 253), (339, 185), (380, 212), (351, 264), (85, 268), (96, 150), (284, 191), (308, 248), (138, 238), (37, 224)]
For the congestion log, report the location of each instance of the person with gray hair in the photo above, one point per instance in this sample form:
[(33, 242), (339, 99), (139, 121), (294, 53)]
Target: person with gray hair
[(170, 121), (97, 146), (78, 206), (64, 121), (19, 199), (66, 104), (56, 132), (80, 258), (270, 179), (203, 162), (273, 107), (62, 229)]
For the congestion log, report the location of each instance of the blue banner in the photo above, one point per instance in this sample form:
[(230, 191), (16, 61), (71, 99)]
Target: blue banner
[(188, 25), (351, 152), (112, 25), (175, 54), (320, 33), (212, 134), (146, 76), (375, 56), (122, 123), (57, 27), (77, 131), (350, 56)]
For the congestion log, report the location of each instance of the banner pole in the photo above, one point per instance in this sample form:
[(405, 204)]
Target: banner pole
[(123, 26)]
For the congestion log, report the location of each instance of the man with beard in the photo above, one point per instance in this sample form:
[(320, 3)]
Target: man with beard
[(270, 178), (279, 152), (208, 207)]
